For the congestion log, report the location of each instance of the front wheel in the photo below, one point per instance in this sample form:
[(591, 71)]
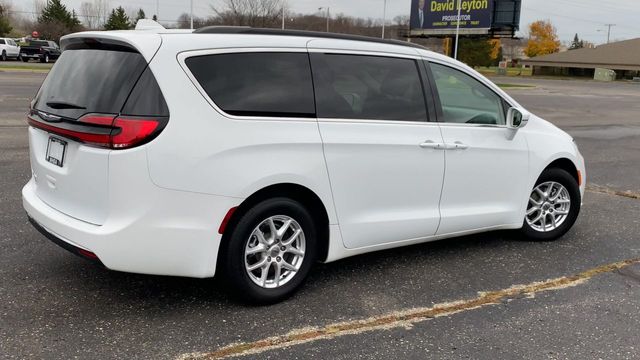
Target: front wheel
[(4, 55), (553, 206), (270, 251)]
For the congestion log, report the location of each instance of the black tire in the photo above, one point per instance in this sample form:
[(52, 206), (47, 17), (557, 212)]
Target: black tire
[(569, 182), (44, 59), (232, 256), (4, 55), (25, 59)]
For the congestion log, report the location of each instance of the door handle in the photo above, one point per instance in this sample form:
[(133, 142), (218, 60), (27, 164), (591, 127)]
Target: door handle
[(429, 144), (458, 145)]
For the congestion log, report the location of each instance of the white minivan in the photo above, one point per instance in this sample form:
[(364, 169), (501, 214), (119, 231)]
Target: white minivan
[(9, 49), (250, 154)]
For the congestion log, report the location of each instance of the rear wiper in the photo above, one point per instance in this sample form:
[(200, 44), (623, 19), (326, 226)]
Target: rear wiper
[(63, 105)]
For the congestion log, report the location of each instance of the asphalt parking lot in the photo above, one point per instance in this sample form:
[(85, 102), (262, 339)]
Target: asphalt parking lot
[(461, 298)]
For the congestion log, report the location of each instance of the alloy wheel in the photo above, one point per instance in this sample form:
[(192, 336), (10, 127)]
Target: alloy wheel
[(548, 207), (274, 252)]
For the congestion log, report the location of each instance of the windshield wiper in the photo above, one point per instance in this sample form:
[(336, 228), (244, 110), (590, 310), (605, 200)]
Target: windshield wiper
[(63, 105)]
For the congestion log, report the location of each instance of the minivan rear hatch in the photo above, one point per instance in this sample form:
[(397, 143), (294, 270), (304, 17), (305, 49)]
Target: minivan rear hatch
[(99, 97)]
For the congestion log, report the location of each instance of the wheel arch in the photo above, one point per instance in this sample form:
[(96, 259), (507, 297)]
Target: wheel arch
[(300, 193), (567, 165)]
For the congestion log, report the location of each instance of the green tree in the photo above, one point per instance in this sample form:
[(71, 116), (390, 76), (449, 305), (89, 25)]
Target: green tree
[(475, 52), (140, 15), (154, 18), (55, 21), (5, 26), (576, 43), (118, 20)]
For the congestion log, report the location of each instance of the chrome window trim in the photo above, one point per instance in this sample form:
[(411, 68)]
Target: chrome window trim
[(374, 121)]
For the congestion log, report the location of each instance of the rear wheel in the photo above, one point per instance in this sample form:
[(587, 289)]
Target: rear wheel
[(270, 251), (25, 59), (553, 206), (4, 55), (45, 58)]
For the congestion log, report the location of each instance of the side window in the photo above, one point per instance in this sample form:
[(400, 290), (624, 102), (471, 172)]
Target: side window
[(2, 42), (465, 99), (257, 84), (368, 87)]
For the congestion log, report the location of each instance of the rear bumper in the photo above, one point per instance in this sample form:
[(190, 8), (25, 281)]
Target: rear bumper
[(83, 253), (163, 232)]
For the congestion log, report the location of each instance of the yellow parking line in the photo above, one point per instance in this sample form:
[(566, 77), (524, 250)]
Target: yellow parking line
[(608, 191), (403, 318)]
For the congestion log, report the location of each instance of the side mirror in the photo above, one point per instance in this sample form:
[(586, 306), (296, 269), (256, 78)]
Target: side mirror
[(517, 118)]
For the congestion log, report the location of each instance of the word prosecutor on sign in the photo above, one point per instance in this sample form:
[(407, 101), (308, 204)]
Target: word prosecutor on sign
[(443, 14)]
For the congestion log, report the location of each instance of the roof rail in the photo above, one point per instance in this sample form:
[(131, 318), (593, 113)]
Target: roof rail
[(316, 34)]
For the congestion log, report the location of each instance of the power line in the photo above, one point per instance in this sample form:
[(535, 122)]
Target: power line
[(576, 18)]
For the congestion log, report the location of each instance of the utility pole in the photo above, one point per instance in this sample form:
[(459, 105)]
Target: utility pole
[(191, 14), (320, 9), (282, 14), (609, 31), (327, 19), (455, 51), (158, 10), (384, 16)]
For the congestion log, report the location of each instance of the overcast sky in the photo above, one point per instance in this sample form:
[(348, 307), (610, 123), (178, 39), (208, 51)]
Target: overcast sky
[(586, 17)]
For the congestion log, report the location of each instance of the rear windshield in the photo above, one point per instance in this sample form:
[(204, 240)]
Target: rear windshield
[(90, 81), (38, 43)]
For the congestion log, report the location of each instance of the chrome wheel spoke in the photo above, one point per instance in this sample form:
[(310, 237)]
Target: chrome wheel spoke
[(263, 275), (532, 210), (283, 229), (292, 238), (260, 236), (256, 249), (276, 274), (272, 229), (295, 251), (257, 265), (535, 202), (287, 266)]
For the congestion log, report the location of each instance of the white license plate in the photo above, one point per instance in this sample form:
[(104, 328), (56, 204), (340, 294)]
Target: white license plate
[(55, 151)]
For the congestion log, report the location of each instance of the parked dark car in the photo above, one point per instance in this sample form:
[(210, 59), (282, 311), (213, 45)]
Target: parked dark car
[(42, 50)]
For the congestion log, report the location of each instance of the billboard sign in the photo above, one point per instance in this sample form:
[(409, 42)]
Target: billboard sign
[(442, 15)]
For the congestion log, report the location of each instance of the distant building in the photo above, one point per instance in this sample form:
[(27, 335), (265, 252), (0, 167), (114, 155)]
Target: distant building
[(623, 57), (513, 49)]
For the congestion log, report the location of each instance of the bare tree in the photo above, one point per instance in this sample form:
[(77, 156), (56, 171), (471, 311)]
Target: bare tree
[(256, 13), (95, 13), (184, 21), (401, 20)]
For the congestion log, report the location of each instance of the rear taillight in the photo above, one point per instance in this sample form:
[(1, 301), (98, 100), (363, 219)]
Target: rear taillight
[(106, 131)]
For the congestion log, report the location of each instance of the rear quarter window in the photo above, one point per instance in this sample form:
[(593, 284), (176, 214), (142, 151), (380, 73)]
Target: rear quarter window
[(257, 84)]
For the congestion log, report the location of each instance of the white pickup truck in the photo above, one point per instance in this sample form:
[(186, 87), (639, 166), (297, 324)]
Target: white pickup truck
[(9, 49)]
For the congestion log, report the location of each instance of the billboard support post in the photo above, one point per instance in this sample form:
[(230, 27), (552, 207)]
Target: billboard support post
[(455, 52), (384, 16)]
